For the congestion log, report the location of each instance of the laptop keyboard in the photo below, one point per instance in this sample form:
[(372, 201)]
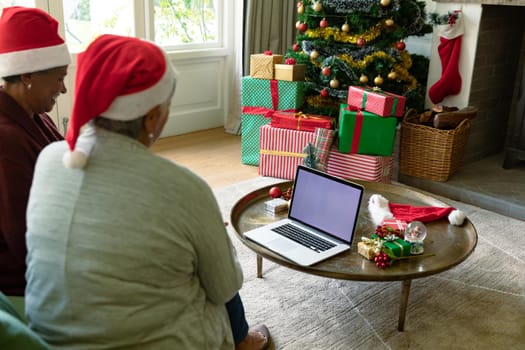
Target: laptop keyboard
[(303, 237)]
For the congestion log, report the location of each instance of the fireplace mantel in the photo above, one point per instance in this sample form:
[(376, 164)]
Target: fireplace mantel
[(486, 2)]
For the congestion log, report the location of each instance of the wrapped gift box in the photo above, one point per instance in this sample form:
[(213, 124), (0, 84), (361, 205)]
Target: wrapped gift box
[(365, 133), (271, 94), (250, 137), (360, 166), (398, 247), (300, 121), (282, 151), (262, 65), (259, 99), (378, 102), (290, 72), (369, 248), (395, 224)]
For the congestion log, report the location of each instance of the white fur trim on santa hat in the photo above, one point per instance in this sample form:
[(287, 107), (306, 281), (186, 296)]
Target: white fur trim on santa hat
[(378, 209), (33, 60), (135, 105)]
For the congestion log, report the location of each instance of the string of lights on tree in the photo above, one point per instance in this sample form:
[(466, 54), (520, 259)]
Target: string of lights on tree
[(359, 42)]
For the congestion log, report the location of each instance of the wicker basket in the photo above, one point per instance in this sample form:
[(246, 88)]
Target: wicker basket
[(431, 153)]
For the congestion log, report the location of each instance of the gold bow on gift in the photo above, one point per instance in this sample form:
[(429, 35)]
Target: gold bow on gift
[(376, 244), (300, 115)]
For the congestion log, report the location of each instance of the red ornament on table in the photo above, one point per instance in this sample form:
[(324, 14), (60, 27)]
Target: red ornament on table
[(275, 192), (290, 60)]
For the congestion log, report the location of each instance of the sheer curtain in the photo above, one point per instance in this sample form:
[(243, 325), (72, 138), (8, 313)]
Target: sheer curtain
[(268, 25)]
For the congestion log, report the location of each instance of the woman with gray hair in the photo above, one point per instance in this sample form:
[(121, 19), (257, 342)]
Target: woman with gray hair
[(127, 249)]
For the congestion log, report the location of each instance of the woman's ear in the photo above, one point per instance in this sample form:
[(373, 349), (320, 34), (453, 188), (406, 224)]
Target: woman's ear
[(151, 120)]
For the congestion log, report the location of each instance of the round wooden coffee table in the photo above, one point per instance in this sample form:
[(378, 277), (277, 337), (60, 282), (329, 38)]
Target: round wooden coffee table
[(449, 244)]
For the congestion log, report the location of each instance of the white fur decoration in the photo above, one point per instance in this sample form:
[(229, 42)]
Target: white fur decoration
[(75, 160), (379, 209), (456, 217)]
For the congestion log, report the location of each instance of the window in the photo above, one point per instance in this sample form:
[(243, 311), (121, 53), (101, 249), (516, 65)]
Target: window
[(173, 24), (7, 3), (84, 20)]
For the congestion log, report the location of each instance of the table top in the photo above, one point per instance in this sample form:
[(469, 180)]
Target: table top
[(450, 244)]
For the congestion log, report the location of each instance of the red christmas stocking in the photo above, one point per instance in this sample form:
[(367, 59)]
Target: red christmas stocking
[(449, 50)]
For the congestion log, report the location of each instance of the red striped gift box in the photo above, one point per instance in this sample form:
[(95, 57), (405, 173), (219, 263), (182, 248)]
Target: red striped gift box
[(360, 166), (282, 150)]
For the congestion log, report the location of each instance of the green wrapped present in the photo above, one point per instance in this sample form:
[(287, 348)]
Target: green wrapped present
[(259, 99), (365, 133), (394, 247), (272, 94), (250, 137), (398, 247)]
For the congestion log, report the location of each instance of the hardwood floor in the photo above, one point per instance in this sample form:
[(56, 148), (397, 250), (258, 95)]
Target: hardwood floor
[(213, 154)]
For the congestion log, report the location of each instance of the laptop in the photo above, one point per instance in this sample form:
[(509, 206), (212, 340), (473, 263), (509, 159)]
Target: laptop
[(321, 219)]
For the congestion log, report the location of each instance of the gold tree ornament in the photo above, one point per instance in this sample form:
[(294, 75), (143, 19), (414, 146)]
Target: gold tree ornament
[(378, 80), (297, 24), (389, 22), (345, 27), (392, 75), (385, 3), (317, 6), (314, 54), (363, 79), (300, 9), (334, 83)]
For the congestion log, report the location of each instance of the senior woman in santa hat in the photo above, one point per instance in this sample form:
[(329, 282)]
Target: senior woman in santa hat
[(127, 249), (33, 64)]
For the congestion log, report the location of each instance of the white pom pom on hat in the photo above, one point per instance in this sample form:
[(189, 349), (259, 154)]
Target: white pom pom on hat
[(119, 78), (381, 209)]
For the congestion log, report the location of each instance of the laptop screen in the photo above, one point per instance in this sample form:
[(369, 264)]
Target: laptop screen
[(326, 203)]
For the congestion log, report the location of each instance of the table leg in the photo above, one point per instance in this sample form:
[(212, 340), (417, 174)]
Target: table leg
[(405, 290), (259, 266)]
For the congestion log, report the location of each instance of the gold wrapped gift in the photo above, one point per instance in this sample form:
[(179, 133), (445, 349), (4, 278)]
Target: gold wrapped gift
[(290, 72), (262, 66), (369, 248)]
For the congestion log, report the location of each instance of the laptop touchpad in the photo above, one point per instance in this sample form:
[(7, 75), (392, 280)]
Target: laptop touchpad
[(281, 244)]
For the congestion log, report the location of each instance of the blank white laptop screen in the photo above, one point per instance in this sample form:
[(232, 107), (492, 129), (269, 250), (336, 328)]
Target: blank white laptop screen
[(327, 205)]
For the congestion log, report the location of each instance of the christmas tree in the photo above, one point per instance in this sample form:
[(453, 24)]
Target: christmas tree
[(359, 42)]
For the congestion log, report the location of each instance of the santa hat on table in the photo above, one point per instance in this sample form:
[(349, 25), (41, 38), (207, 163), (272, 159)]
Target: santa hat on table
[(381, 209), (119, 78), (29, 42)]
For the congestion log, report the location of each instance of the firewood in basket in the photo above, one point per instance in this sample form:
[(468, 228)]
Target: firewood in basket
[(450, 120)]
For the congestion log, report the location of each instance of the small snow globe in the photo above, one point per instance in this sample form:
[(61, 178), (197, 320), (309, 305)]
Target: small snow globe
[(415, 234)]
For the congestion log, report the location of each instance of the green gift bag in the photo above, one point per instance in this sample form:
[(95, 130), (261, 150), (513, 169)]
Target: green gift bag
[(365, 133)]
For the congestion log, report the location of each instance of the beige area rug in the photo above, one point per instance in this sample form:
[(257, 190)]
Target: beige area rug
[(479, 304)]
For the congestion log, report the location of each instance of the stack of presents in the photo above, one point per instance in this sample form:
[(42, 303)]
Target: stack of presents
[(276, 136)]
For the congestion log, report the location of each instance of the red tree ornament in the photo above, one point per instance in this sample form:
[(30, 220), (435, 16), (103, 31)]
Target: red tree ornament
[(324, 93), (326, 71), (303, 27), (361, 42), (323, 23), (296, 47), (400, 45)]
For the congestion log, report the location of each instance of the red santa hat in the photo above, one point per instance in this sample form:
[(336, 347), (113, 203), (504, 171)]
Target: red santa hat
[(119, 78), (29, 42), (381, 209)]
